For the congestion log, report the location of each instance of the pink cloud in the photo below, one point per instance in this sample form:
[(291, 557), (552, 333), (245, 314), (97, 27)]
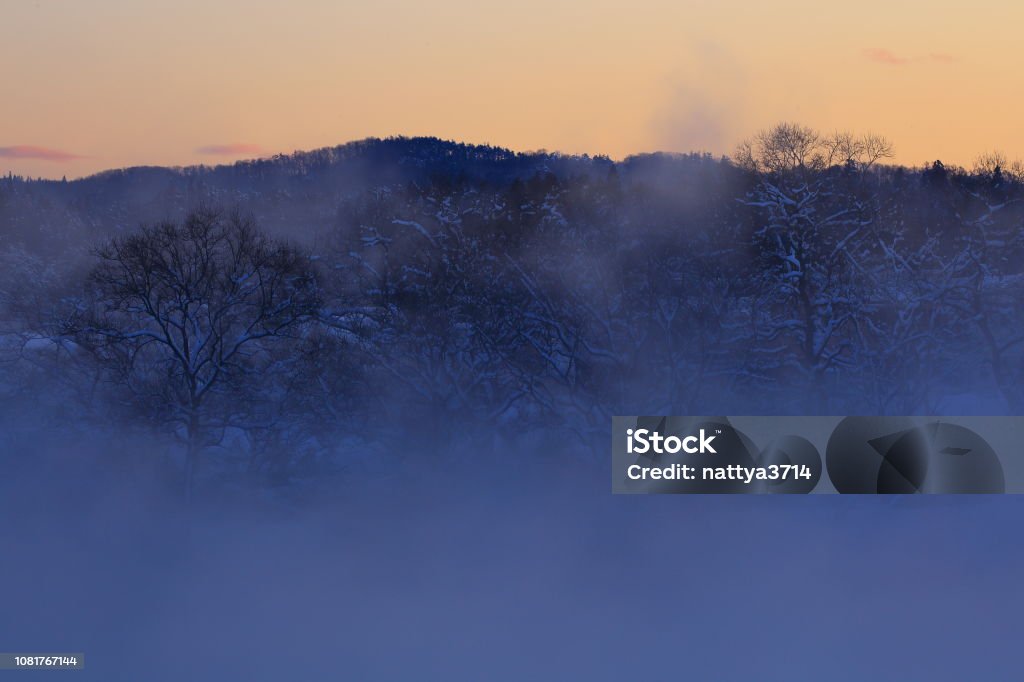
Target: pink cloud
[(884, 56), (231, 149), (27, 151), (881, 55)]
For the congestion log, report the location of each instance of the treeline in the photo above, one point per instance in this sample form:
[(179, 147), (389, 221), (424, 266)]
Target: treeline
[(454, 312)]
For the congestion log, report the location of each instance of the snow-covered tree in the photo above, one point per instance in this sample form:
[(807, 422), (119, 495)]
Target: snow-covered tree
[(811, 247)]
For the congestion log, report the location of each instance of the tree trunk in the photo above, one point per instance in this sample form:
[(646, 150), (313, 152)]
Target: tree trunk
[(192, 456)]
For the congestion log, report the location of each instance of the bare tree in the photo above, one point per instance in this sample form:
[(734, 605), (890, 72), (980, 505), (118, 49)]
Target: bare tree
[(995, 164), (782, 148), (182, 314), (787, 148), (860, 151)]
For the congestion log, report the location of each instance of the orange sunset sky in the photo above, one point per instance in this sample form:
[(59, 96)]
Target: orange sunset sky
[(95, 84)]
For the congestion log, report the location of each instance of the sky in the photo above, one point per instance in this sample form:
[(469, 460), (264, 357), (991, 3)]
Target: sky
[(96, 84)]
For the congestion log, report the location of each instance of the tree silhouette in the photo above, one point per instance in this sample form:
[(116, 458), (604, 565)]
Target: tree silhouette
[(180, 314)]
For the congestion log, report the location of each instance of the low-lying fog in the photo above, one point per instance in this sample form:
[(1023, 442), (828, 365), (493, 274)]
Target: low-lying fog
[(539, 574)]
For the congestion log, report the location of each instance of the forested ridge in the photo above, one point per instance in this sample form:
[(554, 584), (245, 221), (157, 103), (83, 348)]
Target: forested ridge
[(286, 318)]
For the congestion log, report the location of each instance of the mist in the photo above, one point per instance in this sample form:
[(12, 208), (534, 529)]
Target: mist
[(540, 574), (373, 445)]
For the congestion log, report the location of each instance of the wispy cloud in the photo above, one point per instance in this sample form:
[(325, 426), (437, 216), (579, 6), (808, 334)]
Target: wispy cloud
[(881, 55), (27, 151), (230, 149), (884, 56)]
